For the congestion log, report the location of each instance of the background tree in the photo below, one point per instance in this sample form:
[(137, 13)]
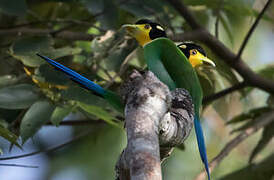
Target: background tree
[(86, 36)]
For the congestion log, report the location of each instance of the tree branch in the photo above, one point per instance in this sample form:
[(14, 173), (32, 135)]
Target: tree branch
[(51, 149), (251, 30), (69, 35), (146, 103), (261, 122), (222, 51), (18, 165), (224, 92), (150, 127)]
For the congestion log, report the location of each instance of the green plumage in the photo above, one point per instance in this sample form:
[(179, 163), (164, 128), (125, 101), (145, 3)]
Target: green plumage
[(171, 66)]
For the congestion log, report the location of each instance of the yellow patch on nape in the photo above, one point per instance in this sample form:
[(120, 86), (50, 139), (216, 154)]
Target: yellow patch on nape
[(160, 28), (183, 46)]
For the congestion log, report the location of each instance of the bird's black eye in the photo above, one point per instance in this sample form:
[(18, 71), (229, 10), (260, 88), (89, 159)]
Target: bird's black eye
[(193, 52), (147, 26)]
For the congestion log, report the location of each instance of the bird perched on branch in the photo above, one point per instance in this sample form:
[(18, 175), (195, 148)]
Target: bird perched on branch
[(166, 61), (170, 65)]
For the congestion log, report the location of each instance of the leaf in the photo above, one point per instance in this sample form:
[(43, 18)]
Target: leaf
[(38, 114), (261, 171), (267, 72), (108, 11), (25, 50), (59, 114), (270, 101), (206, 78), (83, 96), (13, 7), (253, 113), (118, 55), (18, 96), (12, 138), (53, 76), (227, 28), (136, 8), (7, 80), (252, 123), (101, 114), (267, 135)]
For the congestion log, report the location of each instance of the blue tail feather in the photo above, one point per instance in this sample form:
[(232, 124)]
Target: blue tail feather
[(86, 83), (201, 144)]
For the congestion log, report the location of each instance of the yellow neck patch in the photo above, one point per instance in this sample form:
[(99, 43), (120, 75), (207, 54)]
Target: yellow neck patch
[(142, 34)]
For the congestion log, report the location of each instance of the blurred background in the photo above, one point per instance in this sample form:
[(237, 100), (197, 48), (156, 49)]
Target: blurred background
[(80, 134)]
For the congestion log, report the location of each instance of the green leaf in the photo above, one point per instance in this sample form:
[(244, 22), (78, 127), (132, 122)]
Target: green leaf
[(267, 135), (13, 7), (108, 11), (7, 80), (253, 113), (52, 76), (261, 171), (83, 96), (118, 55), (18, 96), (270, 101), (267, 72), (207, 80), (101, 114), (59, 114), (253, 122), (25, 50), (38, 114), (5, 133), (227, 29)]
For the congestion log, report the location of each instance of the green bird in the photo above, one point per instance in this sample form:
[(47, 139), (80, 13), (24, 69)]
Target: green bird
[(150, 31), (170, 65)]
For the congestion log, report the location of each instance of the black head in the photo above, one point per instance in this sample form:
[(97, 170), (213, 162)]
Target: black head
[(187, 46), (156, 29)]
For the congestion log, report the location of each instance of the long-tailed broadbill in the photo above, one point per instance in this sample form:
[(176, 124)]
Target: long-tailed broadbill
[(169, 63), (166, 61)]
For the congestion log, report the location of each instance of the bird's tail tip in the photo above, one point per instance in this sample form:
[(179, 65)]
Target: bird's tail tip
[(201, 144)]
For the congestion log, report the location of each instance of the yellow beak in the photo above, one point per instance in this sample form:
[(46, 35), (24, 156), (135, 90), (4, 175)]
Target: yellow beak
[(131, 29), (138, 32), (200, 59), (208, 61)]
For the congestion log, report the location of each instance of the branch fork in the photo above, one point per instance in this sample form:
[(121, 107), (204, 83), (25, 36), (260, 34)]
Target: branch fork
[(156, 120)]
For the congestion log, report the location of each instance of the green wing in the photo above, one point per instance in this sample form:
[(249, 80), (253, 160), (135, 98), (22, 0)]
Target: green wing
[(171, 66)]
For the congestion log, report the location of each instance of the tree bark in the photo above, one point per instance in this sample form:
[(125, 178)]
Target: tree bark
[(156, 120)]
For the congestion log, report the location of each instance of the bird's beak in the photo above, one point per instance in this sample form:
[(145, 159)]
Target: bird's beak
[(207, 61), (199, 59), (137, 31), (132, 29)]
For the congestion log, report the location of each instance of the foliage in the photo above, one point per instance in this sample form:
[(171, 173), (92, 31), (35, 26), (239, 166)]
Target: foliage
[(85, 35)]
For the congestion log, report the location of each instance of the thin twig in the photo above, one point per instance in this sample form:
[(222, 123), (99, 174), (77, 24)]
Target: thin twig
[(18, 165), (251, 30), (51, 149), (222, 51), (224, 92), (268, 118)]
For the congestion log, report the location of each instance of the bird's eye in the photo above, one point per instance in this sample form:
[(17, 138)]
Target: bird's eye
[(193, 52), (147, 26)]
